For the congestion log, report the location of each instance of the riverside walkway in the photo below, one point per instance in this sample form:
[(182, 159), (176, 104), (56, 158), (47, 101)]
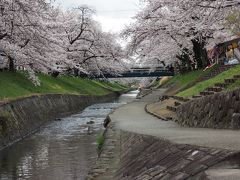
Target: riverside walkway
[(133, 118), (174, 152), (139, 146)]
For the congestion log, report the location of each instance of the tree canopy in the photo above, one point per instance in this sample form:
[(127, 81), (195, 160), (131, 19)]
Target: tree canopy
[(178, 30), (37, 37)]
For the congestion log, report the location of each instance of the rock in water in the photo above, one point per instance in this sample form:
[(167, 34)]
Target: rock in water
[(106, 121), (58, 119), (89, 131), (90, 122)]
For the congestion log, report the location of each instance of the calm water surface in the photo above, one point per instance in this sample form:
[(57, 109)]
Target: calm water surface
[(62, 150)]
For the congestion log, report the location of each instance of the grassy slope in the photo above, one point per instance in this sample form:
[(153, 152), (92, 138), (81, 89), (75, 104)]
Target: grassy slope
[(184, 81), (234, 86), (196, 89), (14, 85)]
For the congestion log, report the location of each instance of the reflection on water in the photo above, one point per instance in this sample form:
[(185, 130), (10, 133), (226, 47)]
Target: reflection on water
[(62, 150)]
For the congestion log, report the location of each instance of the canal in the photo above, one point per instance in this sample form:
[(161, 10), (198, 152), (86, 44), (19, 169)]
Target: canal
[(64, 149)]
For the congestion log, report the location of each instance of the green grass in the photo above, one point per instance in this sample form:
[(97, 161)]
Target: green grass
[(185, 81), (111, 86), (15, 85), (155, 84), (100, 143), (186, 78), (233, 86), (196, 89)]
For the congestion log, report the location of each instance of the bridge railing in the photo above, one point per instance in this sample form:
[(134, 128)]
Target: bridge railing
[(159, 73)]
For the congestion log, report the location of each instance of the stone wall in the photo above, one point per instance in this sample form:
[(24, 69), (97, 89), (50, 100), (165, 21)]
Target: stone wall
[(130, 156), (143, 92), (22, 117), (145, 157), (221, 110)]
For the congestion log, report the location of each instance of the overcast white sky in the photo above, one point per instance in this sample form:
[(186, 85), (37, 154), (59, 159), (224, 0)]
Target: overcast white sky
[(112, 14)]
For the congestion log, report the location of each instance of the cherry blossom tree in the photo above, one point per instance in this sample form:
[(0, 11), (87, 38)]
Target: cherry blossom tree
[(89, 49), (233, 22), (26, 36), (38, 37), (178, 30)]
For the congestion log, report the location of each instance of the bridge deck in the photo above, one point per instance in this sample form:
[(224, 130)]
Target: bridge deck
[(140, 74)]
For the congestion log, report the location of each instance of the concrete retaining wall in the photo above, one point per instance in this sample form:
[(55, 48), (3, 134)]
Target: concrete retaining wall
[(22, 117), (131, 156), (221, 110), (144, 158)]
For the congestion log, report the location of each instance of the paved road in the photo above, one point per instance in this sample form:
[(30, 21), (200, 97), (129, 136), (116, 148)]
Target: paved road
[(133, 118)]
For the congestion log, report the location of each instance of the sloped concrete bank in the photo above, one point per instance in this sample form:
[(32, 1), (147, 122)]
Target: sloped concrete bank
[(22, 117), (108, 161), (221, 110), (143, 92), (132, 156), (136, 149), (145, 157)]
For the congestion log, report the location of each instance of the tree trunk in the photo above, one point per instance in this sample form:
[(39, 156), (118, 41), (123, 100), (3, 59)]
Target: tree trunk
[(186, 63), (200, 53), (11, 64), (55, 74), (76, 72)]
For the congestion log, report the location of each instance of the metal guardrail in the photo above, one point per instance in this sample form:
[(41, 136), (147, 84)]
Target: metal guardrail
[(139, 74)]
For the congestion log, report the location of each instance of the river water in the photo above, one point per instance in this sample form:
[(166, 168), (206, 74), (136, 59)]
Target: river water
[(62, 150)]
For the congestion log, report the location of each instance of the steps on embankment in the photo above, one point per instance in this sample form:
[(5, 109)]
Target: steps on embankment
[(216, 72), (217, 88)]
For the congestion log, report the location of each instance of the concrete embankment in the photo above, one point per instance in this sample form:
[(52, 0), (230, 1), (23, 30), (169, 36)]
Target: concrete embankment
[(142, 147), (143, 92), (220, 111), (128, 155), (22, 117), (145, 157)]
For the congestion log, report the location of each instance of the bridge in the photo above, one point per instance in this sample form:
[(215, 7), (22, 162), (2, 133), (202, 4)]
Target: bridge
[(141, 72)]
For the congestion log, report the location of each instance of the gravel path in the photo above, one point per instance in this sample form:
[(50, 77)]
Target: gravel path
[(133, 118)]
